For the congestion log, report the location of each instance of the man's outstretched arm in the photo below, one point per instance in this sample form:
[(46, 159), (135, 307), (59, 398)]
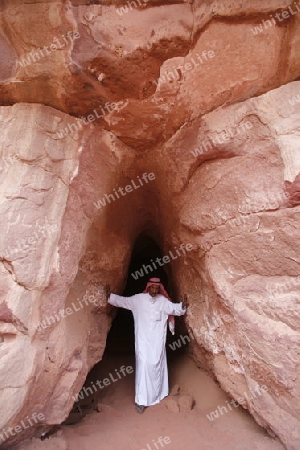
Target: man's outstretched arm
[(119, 301), (176, 309)]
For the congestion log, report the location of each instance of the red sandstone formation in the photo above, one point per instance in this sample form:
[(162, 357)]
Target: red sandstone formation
[(203, 95)]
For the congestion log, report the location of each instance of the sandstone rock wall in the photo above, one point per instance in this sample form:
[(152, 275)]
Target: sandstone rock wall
[(233, 203)]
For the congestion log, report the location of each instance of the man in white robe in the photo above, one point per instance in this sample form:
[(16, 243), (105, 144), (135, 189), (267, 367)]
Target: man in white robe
[(150, 311)]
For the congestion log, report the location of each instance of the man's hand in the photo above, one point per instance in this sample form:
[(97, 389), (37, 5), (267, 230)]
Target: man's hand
[(185, 301), (105, 307), (107, 290)]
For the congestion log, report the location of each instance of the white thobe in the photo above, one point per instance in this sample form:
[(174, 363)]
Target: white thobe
[(150, 328)]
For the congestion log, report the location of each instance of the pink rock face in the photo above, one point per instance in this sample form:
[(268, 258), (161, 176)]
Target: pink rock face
[(195, 97), (242, 276)]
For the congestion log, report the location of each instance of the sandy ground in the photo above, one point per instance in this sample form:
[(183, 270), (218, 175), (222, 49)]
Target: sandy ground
[(118, 426)]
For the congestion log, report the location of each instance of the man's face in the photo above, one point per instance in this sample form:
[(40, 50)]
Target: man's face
[(154, 290)]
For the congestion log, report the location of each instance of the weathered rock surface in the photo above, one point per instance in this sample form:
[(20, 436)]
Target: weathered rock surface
[(95, 53), (242, 279), (227, 180)]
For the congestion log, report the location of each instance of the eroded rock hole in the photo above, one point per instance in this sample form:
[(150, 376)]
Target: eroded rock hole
[(116, 370)]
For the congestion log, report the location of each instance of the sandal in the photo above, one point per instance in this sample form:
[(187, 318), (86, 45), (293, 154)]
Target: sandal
[(140, 408)]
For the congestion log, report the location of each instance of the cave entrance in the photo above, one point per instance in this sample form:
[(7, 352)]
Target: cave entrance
[(120, 338), (119, 349)]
